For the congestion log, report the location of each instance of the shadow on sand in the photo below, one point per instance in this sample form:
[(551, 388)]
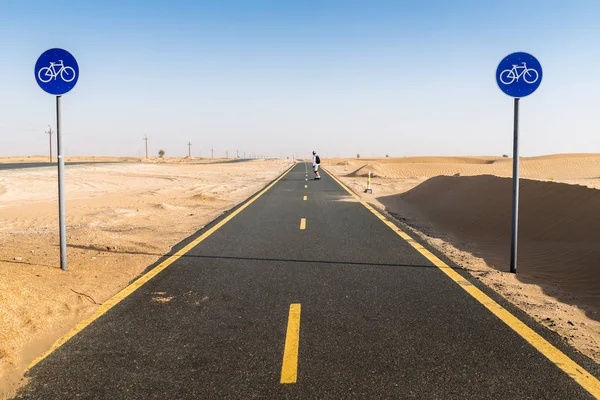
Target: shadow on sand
[(559, 237)]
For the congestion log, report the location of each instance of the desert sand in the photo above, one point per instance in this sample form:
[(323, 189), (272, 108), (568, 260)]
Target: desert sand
[(45, 159), (121, 218), (462, 207)]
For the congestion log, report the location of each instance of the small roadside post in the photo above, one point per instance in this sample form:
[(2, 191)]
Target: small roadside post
[(57, 72), (518, 75), (368, 189)]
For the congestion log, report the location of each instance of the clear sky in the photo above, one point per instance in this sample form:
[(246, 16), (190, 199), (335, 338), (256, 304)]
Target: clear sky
[(280, 77)]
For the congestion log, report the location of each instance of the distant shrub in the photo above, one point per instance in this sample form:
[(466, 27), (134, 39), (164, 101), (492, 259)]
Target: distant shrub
[(387, 155), (358, 156), (505, 155), (161, 153)]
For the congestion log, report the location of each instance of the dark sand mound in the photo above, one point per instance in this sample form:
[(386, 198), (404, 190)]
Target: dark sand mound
[(559, 227)]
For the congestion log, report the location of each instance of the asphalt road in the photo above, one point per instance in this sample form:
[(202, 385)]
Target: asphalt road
[(55, 165), (377, 320), (48, 164)]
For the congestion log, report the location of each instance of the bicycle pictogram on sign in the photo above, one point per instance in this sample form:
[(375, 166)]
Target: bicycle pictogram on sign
[(56, 71), (508, 76), (66, 73), (519, 74)]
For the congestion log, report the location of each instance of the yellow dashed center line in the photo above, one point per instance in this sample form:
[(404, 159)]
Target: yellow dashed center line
[(303, 223), (305, 197), (289, 367), (305, 186)]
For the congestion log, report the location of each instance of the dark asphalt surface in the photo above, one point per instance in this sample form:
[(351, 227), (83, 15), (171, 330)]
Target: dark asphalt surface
[(48, 164), (55, 165), (378, 320)]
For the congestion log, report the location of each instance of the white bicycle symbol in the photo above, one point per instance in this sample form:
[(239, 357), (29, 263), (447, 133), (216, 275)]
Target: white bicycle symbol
[(529, 75), (46, 74)]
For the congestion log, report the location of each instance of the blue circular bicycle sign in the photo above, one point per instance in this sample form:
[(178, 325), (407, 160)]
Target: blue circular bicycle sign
[(519, 74), (56, 71)]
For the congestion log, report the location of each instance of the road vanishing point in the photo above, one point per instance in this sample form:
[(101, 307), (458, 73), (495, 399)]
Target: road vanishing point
[(306, 292)]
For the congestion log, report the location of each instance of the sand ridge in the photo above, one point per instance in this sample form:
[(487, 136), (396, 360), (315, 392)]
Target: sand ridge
[(576, 169), (463, 209)]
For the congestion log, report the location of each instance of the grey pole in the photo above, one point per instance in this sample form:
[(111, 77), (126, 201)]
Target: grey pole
[(515, 208), (50, 133), (61, 191), (146, 139)]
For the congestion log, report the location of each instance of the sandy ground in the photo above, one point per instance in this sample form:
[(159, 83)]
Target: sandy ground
[(106, 159), (459, 205), (462, 207), (45, 159), (120, 219)]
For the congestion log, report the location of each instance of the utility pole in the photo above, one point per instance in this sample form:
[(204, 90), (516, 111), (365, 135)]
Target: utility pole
[(146, 139), (212, 154), (226, 154), (244, 155), (189, 149), (49, 132), (237, 153)]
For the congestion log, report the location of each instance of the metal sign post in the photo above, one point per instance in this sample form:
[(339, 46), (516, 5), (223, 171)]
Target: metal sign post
[(515, 205), (518, 75), (57, 72), (61, 190)]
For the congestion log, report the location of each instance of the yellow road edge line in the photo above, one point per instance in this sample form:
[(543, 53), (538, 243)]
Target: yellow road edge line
[(305, 197), (289, 366), (303, 223), (113, 301), (305, 186), (560, 359)]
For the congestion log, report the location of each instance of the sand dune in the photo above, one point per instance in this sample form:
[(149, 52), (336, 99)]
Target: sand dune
[(563, 168), (558, 228), (462, 206)]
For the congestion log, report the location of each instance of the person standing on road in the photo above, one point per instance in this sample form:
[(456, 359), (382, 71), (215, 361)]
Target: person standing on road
[(316, 164)]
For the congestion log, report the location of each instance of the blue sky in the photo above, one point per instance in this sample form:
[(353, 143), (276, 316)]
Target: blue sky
[(282, 77)]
